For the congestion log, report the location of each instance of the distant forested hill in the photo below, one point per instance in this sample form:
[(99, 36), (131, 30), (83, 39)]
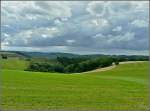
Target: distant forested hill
[(23, 54), (37, 54)]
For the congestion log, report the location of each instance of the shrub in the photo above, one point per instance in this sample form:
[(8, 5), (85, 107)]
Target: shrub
[(116, 63), (4, 56)]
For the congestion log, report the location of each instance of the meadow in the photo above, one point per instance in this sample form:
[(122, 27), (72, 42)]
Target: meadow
[(124, 87), (14, 63)]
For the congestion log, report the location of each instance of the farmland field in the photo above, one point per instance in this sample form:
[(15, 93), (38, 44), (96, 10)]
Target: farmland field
[(14, 63), (124, 87)]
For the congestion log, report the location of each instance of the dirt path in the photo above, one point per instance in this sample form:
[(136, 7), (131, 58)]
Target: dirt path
[(129, 62), (113, 66), (101, 69)]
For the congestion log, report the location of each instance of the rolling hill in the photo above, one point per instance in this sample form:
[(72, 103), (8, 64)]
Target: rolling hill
[(125, 87), (52, 55)]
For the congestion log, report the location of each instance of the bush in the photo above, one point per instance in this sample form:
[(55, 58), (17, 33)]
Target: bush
[(116, 63), (45, 67), (4, 56)]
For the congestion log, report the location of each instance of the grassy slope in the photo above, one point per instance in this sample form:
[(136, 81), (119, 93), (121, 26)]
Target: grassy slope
[(13, 63), (123, 88)]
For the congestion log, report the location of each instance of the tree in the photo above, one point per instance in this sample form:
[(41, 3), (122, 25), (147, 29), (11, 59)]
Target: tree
[(4, 56), (70, 65), (116, 62)]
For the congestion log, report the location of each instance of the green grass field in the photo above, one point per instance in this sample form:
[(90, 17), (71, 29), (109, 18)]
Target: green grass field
[(14, 63), (122, 88)]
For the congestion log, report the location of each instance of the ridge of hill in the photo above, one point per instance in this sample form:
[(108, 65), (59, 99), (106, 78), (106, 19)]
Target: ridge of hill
[(53, 55)]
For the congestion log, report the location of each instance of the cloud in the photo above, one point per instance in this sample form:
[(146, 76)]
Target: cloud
[(118, 28), (26, 14), (55, 9), (121, 38), (25, 38), (100, 22), (96, 8), (122, 41), (139, 23), (6, 35), (70, 41), (87, 25)]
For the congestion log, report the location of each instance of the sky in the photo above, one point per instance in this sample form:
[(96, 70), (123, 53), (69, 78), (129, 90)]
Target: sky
[(81, 27)]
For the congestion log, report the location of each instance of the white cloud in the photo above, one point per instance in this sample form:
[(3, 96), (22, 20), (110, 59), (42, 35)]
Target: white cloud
[(116, 8), (100, 22), (6, 25), (6, 35), (31, 17), (64, 19), (4, 43), (21, 38), (27, 12), (96, 8), (46, 32), (14, 8), (70, 41), (55, 9), (139, 23), (140, 6), (98, 36), (117, 29), (25, 37), (121, 38), (44, 36), (57, 22), (81, 24)]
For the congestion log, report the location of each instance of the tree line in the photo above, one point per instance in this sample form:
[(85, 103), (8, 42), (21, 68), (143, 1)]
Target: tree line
[(72, 65), (76, 64)]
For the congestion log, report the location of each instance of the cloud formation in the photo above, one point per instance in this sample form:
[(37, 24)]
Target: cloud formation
[(71, 26)]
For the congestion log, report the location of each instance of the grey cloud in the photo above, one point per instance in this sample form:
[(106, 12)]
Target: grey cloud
[(91, 25)]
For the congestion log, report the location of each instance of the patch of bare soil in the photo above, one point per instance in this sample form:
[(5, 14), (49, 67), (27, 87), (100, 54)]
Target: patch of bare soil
[(102, 69), (129, 62)]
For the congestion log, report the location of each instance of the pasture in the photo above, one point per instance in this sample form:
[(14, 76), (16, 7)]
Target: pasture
[(124, 87), (14, 63)]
